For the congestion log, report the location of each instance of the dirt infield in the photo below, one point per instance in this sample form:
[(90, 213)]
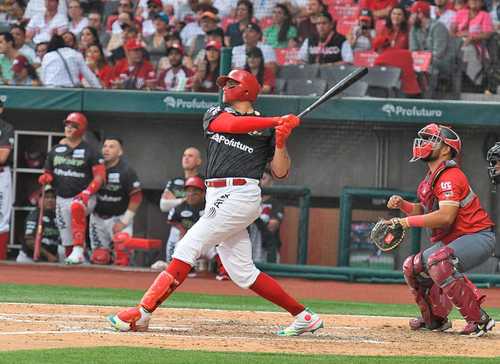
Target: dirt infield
[(26, 326)]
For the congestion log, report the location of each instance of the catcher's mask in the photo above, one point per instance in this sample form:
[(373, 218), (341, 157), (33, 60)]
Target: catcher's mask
[(492, 157), (430, 138)]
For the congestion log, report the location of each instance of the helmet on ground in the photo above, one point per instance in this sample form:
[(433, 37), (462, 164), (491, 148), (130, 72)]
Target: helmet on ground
[(492, 157), (79, 119), (429, 139), (195, 182), (248, 87)]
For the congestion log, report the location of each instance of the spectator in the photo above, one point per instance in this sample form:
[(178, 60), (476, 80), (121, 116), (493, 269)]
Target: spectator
[(395, 32), (148, 25), (263, 8), (212, 36), (62, 66), (88, 37), (307, 27), (252, 37), (459, 5), (117, 43), (19, 34), (24, 74), (176, 77), (362, 34), (495, 14), (39, 7), (381, 9), (207, 70), (41, 26), (8, 53), (14, 14), (185, 11), (264, 232), (282, 30), (50, 235), (70, 40), (76, 19), (474, 26), (124, 6), (133, 71), (244, 15), (124, 21), (155, 43), (209, 24), (95, 59), (328, 47), (265, 75), (431, 35), (192, 29), (40, 51), (442, 12), (95, 21)]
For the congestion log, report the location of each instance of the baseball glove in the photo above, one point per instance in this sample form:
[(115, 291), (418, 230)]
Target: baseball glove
[(387, 236)]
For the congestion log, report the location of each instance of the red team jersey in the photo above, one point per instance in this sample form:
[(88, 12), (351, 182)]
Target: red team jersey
[(452, 186)]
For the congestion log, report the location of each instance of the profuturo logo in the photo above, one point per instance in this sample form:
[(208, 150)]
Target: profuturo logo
[(180, 103), (398, 110)]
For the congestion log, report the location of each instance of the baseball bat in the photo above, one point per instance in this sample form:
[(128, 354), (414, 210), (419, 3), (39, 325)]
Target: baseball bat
[(39, 228), (336, 89)]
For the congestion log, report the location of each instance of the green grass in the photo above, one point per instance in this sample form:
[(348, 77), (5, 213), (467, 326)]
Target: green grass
[(124, 298), (125, 355)]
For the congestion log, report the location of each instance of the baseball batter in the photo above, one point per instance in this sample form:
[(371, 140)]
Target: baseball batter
[(462, 237), (117, 202), (76, 171), (6, 144), (240, 144)]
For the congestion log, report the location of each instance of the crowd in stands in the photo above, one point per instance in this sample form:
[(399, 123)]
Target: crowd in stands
[(175, 45)]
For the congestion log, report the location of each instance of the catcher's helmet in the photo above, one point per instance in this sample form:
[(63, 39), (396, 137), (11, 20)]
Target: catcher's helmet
[(196, 182), (492, 157), (247, 89), (429, 138), (79, 119)]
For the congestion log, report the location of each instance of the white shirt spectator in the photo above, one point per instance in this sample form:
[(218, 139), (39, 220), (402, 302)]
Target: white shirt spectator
[(225, 7), (55, 73), (190, 31), (239, 54), (446, 18), (263, 8), (76, 29), (345, 52), (37, 7), (43, 31), (175, 81)]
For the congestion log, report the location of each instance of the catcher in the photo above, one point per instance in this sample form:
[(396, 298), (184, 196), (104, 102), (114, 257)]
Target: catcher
[(462, 237)]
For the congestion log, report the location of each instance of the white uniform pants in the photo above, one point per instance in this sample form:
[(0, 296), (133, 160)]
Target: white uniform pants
[(63, 217), (228, 212), (5, 199), (101, 230)]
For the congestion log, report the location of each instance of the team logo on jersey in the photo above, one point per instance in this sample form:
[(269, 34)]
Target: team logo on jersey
[(136, 184), (217, 204), (79, 153), (446, 186), (114, 177), (61, 149), (221, 139), (179, 182), (186, 213)]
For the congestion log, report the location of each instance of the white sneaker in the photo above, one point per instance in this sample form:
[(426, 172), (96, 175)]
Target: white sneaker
[(76, 256), (306, 321), (159, 265), (23, 258)]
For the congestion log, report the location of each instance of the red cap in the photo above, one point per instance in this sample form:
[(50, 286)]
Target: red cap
[(421, 7), (133, 44), (213, 44), (20, 62)]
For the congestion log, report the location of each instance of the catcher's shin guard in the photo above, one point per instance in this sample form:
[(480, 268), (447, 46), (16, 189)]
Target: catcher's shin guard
[(78, 222), (162, 287), (460, 290), (433, 304)]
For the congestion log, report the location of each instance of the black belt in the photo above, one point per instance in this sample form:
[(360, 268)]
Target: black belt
[(104, 216)]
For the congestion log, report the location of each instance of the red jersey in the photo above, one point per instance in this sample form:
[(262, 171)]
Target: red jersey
[(451, 187), (375, 5), (134, 77)]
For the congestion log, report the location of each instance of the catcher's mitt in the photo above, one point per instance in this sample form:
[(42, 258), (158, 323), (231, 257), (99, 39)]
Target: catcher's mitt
[(387, 236)]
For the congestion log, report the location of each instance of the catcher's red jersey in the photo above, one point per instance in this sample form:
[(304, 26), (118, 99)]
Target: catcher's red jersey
[(452, 187)]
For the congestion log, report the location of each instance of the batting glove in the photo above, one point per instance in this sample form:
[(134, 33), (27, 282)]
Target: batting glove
[(282, 133), (84, 196), (45, 179), (290, 120)]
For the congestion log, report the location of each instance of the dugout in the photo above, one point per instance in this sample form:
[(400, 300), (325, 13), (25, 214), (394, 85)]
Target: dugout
[(361, 143)]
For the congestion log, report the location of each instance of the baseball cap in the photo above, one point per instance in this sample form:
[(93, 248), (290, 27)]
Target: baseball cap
[(421, 7), (213, 44), (255, 27), (176, 47), (133, 44), (210, 15), (365, 14), (19, 63), (163, 17)]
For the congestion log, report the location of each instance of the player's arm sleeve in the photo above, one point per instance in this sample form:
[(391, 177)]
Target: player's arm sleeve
[(98, 173), (219, 121)]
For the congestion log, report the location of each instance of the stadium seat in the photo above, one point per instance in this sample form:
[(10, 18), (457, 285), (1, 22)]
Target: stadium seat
[(357, 89), (280, 86), (299, 71), (314, 87), (383, 81), (334, 73)]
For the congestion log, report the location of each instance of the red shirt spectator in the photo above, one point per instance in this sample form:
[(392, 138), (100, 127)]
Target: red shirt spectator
[(133, 71), (379, 8), (95, 59), (265, 75), (177, 77), (395, 33)]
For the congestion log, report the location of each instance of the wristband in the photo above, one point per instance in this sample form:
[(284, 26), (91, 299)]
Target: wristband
[(127, 218), (406, 207), (415, 221)]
